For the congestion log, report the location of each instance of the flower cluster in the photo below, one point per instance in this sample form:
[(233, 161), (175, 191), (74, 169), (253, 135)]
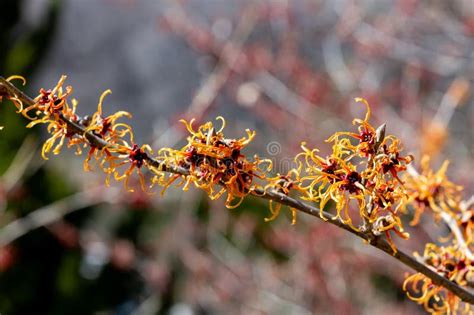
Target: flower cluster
[(451, 264), (431, 191), (53, 108), (216, 164), (50, 107), (120, 149), (364, 174)]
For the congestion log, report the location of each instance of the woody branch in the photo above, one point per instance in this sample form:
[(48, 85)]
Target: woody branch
[(9, 90)]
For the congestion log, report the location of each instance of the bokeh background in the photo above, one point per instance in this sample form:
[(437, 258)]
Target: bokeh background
[(288, 69)]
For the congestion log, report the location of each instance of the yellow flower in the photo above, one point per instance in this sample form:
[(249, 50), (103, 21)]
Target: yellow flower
[(284, 184), (16, 101), (51, 102), (106, 127), (452, 264), (362, 175), (136, 156)]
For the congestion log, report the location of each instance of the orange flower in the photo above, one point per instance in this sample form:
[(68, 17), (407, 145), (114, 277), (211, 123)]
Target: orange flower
[(216, 163), (364, 174), (452, 264), (110, 131), (333, 178)]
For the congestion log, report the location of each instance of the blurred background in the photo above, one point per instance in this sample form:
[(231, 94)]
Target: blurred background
[(288, 69)]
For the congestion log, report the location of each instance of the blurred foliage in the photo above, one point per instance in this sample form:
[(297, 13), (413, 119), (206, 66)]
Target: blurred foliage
[(29, 285)]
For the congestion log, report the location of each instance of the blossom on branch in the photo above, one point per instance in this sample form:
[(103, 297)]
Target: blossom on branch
[(363, 175), (216, 164)]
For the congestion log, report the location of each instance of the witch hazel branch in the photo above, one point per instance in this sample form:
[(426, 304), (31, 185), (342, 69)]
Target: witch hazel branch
[(366, 183)]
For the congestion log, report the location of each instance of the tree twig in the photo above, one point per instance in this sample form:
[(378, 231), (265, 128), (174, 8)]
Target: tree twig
[(6, 88)]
